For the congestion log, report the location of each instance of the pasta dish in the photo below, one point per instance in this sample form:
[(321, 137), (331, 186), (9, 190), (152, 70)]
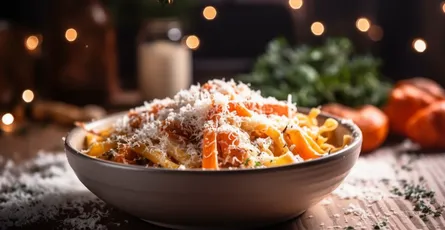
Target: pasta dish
[(220, 124)]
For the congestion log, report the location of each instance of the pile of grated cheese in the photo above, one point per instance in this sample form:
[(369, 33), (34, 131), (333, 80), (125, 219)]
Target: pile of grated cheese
[(369, 185), (189, 110), (365, 180), (46, 190)]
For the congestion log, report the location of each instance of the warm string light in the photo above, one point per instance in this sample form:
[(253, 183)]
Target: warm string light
[(192, 42), (419, 45), (7, 119), (363, 24), (71, 34), (32, 42), (209, 12), (317, 28), (28, 96), (295, 4), (443, 6)]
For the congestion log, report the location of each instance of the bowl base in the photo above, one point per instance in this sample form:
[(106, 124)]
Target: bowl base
[(246, 226)]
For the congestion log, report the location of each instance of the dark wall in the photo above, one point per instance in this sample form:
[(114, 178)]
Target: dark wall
[(231, 42)]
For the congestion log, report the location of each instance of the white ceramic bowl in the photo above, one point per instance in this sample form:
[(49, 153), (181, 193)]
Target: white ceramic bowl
[(196, 199)]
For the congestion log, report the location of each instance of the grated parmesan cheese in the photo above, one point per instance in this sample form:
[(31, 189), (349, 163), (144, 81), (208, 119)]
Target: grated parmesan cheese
[(364, 180), (355, 210), (185, 117), (46, 190)]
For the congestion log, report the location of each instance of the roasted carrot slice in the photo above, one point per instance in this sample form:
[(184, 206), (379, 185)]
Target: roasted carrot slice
[(240, 109), (276, 109), (156, 108), (228, 144), (209, 150), (210, 145), (226, 139), (207, 86), (215, 113), (268, 109)]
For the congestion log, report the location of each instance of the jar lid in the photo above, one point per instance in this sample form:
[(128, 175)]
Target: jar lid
[(162, 25)]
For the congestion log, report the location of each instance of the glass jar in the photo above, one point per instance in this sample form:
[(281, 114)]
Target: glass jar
[(164, 63)]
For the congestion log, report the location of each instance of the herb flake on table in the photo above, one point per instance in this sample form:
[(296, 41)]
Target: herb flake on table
[(380, 225), (422, 198)]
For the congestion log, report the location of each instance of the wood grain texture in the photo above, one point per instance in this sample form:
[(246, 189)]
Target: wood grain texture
[(331, 213), (397, 211)]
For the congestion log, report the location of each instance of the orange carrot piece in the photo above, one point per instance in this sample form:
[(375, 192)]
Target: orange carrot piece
[(240, 109), (277, 109), (207, 86), (214, 113), (210, 145), (156, 108), (209, 150), (268, 109), (226, 139)]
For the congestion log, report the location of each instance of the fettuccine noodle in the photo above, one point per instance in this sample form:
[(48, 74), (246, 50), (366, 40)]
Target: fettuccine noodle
[(221, 124)]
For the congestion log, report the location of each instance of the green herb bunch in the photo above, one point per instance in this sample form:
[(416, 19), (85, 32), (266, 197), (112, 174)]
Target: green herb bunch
[(319, 75)]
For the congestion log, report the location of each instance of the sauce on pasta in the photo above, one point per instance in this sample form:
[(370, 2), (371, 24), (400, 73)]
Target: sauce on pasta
[(221, 124)]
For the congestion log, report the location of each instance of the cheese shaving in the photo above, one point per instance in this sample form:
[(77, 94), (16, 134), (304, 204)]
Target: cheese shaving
[(46, 190), (189, 110), (213, 126)]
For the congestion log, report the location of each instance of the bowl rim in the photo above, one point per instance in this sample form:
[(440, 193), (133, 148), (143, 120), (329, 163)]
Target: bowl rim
[(348, 124)]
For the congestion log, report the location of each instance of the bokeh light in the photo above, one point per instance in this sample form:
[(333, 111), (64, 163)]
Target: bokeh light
[(209, 12), (317, 28), (295, 4), (363, 24), (192, 42), (28, 96), (7, 119), (32, 42), (419, 45), (71, 34)]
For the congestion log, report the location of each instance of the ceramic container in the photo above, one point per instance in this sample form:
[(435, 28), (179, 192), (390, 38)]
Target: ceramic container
[(224, 199)]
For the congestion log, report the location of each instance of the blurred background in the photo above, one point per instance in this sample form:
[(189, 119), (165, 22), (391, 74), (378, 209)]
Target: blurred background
[(58, 56)]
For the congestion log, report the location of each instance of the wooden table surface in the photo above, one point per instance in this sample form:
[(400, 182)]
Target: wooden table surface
[(362, 201)]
